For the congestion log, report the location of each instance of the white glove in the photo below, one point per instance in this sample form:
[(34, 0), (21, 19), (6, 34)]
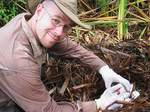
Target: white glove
[(109, 76), (110, 96), (128, 98)]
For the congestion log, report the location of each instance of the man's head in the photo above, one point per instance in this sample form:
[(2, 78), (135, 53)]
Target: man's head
[(49, 24), (51, 20), (68, 7)]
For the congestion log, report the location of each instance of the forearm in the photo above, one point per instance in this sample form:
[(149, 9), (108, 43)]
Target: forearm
[(69, 48), (27, 90)]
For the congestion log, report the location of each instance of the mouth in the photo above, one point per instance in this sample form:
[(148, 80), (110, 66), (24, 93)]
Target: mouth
[(55, 38)]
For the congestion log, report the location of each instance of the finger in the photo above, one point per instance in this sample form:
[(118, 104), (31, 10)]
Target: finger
[(107, 84), (114, 106), (116, 87), (127, 100), (124, 96), (127, 85), (122, 90)]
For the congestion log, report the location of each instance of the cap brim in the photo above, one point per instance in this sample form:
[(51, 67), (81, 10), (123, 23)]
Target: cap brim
[(72, 16)]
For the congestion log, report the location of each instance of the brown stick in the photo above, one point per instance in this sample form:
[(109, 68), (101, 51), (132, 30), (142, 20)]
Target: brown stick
[(81, 86), (124, 102)]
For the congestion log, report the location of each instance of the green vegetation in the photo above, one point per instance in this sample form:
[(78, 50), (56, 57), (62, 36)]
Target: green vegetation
[(122, 23), (9, 9), (129, 18)]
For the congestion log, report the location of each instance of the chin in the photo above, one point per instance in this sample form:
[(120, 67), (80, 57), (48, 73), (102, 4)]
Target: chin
[(48, 45)]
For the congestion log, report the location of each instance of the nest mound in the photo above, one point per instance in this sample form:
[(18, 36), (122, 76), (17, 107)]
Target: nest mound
[(67, 79)]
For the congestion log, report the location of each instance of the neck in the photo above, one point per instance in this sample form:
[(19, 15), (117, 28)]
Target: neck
[(32, 22)]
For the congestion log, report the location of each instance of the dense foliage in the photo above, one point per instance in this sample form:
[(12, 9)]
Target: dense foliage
[(9, 9)]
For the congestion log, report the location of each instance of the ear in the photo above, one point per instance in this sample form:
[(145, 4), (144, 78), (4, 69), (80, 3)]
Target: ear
[(39, 10)]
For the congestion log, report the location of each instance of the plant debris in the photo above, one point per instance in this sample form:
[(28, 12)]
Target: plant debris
[(67, 79)]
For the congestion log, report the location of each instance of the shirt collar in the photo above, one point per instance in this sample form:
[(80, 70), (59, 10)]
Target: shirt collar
[(38, 50)]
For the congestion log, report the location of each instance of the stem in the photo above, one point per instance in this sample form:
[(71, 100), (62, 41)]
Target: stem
[(122, 23)]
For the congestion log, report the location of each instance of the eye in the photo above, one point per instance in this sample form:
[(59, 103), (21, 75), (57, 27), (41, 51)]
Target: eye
[(56, 22)]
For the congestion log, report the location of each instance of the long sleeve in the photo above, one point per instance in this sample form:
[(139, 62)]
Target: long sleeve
[(21, 82), (69, 48), (26, 89)]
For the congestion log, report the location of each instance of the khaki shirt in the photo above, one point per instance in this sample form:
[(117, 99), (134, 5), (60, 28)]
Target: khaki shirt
[(20, 59)]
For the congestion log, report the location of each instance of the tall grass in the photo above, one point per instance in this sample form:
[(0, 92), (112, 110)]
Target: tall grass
[(9, 9), (122, 23), (112, 14), (123, 15)]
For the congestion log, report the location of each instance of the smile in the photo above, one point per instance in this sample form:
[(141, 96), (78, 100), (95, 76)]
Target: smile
[(52, 36)]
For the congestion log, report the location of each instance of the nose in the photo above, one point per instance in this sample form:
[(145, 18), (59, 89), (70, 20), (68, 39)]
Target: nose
[(59, 31)]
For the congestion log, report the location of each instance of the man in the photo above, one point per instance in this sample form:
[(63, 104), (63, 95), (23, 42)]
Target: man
[(23, 44)]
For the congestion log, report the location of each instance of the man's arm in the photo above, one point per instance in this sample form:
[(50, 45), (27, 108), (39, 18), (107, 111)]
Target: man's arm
[(69, 48), (23, 85)]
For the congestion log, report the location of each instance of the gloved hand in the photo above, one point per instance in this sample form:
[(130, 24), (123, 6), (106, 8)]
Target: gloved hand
[(110, 96), (109, 76), (128, 97)]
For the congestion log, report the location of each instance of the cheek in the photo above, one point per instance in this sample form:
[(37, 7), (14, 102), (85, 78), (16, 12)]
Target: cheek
[(44, 23), (42, 27)]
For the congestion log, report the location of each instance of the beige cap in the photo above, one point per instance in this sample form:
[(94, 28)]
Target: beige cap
[(68, 7)]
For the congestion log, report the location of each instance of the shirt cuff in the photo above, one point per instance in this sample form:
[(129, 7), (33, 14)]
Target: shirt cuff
[(89, 106)]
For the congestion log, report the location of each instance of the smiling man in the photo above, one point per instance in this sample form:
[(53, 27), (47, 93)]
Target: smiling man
[(24, 42), (49, 24)]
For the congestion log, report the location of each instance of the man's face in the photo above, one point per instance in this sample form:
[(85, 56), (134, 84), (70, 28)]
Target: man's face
[(51, 24)]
